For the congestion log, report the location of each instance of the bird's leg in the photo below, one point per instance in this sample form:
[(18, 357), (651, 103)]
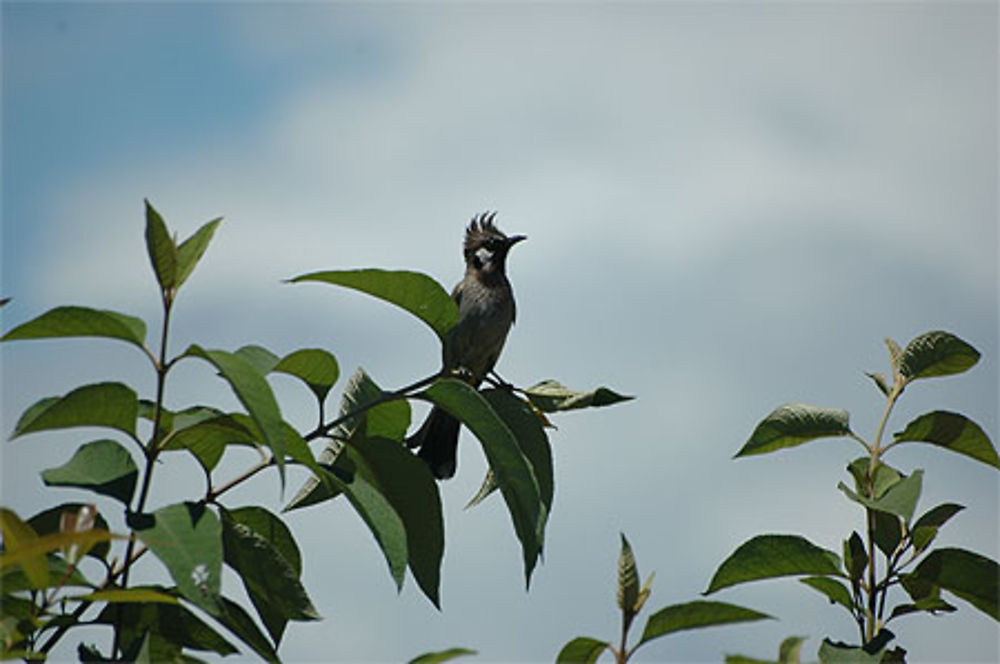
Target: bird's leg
[(461, 373), (497, 381)]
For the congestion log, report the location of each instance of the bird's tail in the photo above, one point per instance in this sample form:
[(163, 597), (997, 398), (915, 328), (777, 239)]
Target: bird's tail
[(437, 439)]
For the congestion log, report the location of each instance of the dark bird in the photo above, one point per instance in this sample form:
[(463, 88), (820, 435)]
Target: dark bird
[(471, 349)]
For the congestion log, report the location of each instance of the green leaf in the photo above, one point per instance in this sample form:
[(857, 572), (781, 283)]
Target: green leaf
[(268, 526), (442, 656), (895, 354), (513, 472), (314, 366), (37, 548), (951, 431), (888, 531), (795, 424), (81, 322), (260, 358), (581, 650), (936, 354), (18, 536), (271, 581), (694, 615), (174, 622), (925, 529), (885, 476), (187, 538), (411, 490), (550, 396), (790, 650), (191, 250), (855, 557), (531, 438), (161, 248), (966, 575), (136, 594), (102, 466), (207, 439), (414, 292), (834, 590), (900, 499), (256, 396), (103, 404), (839, 653), (239, 622), (628, 579), (770, 556), (61, 575)]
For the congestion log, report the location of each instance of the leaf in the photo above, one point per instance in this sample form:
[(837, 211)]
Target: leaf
[(61, 575), (174, 622), (103, 404), (839, 653), (442, 656), (795, 424), (267, 525), (855, 557), (102, 466), (270, 580), (136, 594), (880, 382), (790, 650), (936, 354), (513, 472), (900, 499), (530, 435), (81, 322), (834, 590), (207, 439), (694, 615), (895, 354), (256, 396), (161, 248), (408, 485), (18, 536), (628, 579), (885, 476), (259, 358), (314, 366), (888, 532), (770, 556), (550, 396), (187, 538), (582, 650), (191, 250), (966, 575), (239, 622), (925, 529), (414, 292), (951, 431), (38, 547)]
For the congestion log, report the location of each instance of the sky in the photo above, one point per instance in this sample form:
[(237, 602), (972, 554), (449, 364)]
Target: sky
[(728, 205)]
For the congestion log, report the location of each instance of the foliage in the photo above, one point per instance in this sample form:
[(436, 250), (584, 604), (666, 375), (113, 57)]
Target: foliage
[(890, 570), (46, 591), (668, 620)]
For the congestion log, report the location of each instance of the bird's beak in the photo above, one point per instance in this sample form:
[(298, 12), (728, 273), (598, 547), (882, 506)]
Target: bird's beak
[(514, 239)]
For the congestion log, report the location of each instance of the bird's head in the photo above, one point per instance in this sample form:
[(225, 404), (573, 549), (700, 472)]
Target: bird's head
[(486, 246)]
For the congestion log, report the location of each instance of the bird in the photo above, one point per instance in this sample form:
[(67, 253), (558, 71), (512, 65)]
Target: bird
[(470, 350)]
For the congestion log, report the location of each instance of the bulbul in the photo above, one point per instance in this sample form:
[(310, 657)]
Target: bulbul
[(470, 351)]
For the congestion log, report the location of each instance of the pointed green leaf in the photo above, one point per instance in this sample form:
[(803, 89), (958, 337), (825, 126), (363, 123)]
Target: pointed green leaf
[(161, 248), (834, 590), (965, 574), (550, 396), (895, 354), (855, 557), (270, 580), (190, 251), (187, 538), (628, 579), (900, 499), (880, 382), (513, 472), (442, 656), (18, 536), (81, 322), (888, 531), (925, 529), (136, 594), (694, 615), (255, 394), (61, 575), (239, 622), (314, 366), (260, 358), (936, 354), (414, 292), (410, 488), (267, 525), (951, 431), (174, 622), (839, 653), (770, 556), (207, 439), (885, 476), (795, 424), (103, 404), (102, 466), (582, 650), (531, 438), (36, 548)]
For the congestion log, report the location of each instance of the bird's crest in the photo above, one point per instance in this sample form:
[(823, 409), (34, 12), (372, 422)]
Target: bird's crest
[(480, 228)]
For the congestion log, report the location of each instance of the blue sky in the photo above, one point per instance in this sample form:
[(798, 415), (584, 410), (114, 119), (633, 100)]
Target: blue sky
[(728, 206)]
